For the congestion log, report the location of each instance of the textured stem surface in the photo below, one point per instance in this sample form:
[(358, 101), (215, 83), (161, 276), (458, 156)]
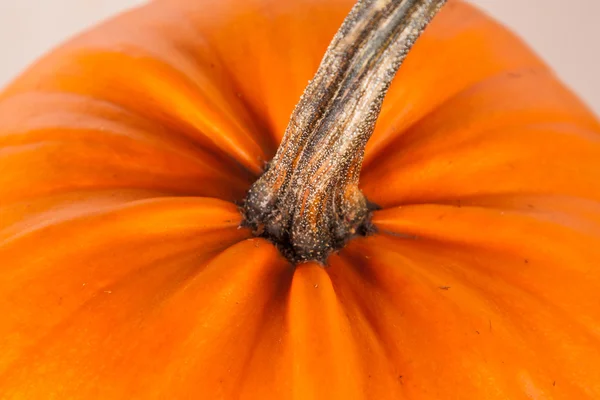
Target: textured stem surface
[(308, 201)]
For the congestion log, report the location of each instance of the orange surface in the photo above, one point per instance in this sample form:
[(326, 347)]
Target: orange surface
[(123, 274)]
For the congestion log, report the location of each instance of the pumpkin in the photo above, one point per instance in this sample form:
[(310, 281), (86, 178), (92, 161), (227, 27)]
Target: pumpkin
[(126, 270)]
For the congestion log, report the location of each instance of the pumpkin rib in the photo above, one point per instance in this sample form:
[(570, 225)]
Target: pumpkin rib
[(485, 293), (552, 239), (359, 265), (264, 132), (584, 323), (29, 216), (187, 111), (72, 135), (181, 115), (214, 280), (22, 210), (272, 334), (103, 126), (157, 209), (75, 217), (77, 166), (391, 137), (256, 278), (134, 36), (54, 332), (267, 129), (377, 357), (485, 290), (574, 329), (520, 201), (550, 209), (265, 48), (470, 46), (30, 261), (327, 367), (211, 169), (101, 114), (416, 131), (406, 298), (434, 223), (242, 106), (507, 167)]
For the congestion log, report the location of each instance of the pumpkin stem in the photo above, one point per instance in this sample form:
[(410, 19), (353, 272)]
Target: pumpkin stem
[(308, 202)]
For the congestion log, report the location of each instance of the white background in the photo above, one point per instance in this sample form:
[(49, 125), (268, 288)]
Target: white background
[(565, 33)]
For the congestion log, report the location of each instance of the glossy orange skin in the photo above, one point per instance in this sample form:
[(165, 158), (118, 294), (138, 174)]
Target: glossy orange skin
[(124, 275)]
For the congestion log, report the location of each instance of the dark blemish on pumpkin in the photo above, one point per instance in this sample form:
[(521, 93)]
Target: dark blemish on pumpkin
[(477, 332), (227, 221), (400, 379), (441, 217), (371, 206), (490, 325), (526, 261), (444, 287), (459, 204), (554, 383), (530, 205)]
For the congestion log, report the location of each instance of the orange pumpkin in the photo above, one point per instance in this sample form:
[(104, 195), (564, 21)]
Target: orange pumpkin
[(124, 274)]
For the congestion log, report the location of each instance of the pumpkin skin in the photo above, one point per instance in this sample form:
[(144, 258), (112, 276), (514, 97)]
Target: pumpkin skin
[(124, 273)]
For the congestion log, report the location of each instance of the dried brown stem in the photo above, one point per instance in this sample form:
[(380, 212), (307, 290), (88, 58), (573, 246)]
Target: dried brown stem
[(308, 201)]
